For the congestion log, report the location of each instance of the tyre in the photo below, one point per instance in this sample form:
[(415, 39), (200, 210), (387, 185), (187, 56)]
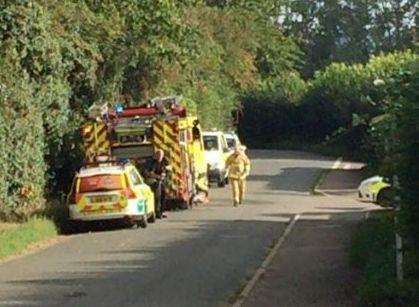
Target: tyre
[(152, 218), (385, 197), (72, 227), (183, 205), (143, 222)]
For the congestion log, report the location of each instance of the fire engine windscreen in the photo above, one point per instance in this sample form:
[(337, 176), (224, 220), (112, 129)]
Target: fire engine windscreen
[(133, 152), (99, 183)]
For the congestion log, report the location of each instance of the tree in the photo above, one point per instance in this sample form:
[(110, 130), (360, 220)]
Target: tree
[(348, 31)]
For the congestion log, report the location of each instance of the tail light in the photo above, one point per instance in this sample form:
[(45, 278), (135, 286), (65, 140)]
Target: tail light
[(74, 198), (129, 193)]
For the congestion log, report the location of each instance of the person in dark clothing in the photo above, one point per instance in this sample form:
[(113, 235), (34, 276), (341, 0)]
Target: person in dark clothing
[(155, 174)]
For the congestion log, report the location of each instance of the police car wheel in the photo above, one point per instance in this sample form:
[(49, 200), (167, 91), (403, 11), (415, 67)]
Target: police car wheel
[(385, 198), (152, 218), (73, 227), (143, 222)]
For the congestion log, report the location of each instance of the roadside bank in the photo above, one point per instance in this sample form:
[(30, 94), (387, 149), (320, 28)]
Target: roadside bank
[(17, 238)]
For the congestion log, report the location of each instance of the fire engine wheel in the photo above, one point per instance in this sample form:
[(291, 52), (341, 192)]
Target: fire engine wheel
[(143, 222), (183, 205), (152, 218)]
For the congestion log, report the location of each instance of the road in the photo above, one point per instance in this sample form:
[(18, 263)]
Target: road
[(199, 257)]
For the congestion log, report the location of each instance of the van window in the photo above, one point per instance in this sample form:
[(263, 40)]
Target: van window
[(103, 182), (231, 142), (210, 142)]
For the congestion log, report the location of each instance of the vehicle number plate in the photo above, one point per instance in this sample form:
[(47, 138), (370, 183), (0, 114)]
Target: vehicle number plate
[(101, 199)]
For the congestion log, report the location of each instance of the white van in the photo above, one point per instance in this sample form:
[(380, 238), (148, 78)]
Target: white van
[(216, 154)]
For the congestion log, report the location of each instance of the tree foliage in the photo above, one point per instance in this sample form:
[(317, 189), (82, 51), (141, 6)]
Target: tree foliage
[(340, 102), (60, 56), (348, 31)]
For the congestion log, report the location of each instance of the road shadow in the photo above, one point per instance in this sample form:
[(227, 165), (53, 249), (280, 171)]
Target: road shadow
[(341, 182), (222, 254), (68, 228), (208, 268), (342, 208), (341, 179), (286, 155), (294, 179)]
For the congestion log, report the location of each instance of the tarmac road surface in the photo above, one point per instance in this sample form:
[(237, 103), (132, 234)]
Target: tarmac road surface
[(198, 257)]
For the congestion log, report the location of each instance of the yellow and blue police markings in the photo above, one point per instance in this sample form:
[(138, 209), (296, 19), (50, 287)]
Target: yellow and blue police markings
[(142, 206)]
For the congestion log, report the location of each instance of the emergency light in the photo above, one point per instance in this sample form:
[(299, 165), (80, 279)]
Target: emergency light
[(119, 108)]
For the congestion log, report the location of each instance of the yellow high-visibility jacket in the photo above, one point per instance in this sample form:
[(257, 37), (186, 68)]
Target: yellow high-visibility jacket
[(238, 166)]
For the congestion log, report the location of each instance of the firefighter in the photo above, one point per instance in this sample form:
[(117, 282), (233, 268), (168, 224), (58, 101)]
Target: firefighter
[(238, 168), (155, 174)]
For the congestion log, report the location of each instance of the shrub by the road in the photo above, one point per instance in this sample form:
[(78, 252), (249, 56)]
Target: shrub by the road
[(373, 253), (335, 108)]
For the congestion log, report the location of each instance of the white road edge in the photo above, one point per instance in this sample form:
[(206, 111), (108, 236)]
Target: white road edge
[(265, 264)]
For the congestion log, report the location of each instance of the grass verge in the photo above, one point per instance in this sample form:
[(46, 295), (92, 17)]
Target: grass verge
[(16, 238), (372, 252)]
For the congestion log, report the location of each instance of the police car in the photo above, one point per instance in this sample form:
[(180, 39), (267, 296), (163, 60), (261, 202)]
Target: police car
[(109, 191), (377, 190)]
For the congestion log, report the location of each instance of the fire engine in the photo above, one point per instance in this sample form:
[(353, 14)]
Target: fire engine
[(135, 133)]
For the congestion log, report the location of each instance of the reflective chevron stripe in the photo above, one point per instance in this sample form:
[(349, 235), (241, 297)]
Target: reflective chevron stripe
[(95, 140), (166, 138)]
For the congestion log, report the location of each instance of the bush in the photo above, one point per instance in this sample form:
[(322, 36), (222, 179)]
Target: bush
[(22, 151), (337, 106), (271, 115), (372, 251)]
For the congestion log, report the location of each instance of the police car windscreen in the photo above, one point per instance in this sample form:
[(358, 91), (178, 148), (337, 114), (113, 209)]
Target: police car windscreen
[(210, 142)]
